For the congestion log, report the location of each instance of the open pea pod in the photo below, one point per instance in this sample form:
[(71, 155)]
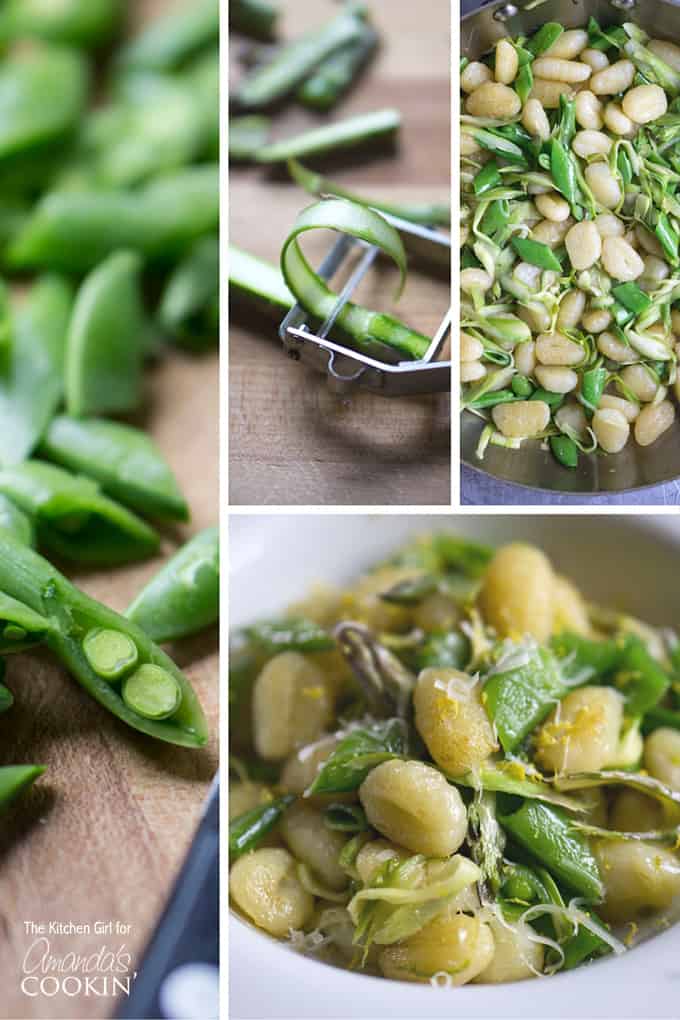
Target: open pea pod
[(73, 519), (16, 778), (122, 459), (31, 387), (42, 96), (170, 41), (108, 655), (106, 340), (363, 326), (20, 626), (184, 597), (189, 308), (16, 522), (75, 230), (521, 690), (86, 24)]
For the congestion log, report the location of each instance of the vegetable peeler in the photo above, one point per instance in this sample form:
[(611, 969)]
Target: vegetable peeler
[(346, 368)]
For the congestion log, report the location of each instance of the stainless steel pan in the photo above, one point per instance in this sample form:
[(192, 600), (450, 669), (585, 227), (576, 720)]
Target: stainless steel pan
[(635, 467)]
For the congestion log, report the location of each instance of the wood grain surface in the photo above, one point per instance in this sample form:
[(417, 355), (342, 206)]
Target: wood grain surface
[(104, 832), (291, 440)]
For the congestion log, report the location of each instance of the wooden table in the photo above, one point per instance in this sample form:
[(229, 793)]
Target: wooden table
[(103, 834), (291, 440)]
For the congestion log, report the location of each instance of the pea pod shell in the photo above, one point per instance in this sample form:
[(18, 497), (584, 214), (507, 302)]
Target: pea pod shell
[(184, 596), (29, 578), (123, 460)]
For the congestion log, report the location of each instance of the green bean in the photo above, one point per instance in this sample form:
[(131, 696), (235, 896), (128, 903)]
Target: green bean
[(248, 829), (257, 18), (366, 128), (545, 831), (20, 626), (88, 24), (13, 520), (31, 388), (169, 42), (296, 61), (75, 231), (547, 35), (247, 135), (14, 779), (357, 754), (189, 306), (519, 697), (42, 95), (290, 634), (564, 450), (124, 461), (184, 597), (73, 519), (592, 386), (335, 75), (429, 214), (27, 577), (535, 253), (105, 345)]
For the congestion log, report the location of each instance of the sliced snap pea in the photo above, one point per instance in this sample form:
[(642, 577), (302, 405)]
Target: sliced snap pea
[(16, 522), (20, 626), (87, 24), (75, 231), (487, 178), (73, 519), (248, 829), (345, 818), (27, 577), (667, 236), (614, 37), (535, 253), (185, 596), (16, 778), (123, 460), (494, 141), (429, 214), (520, 697), (105, 344), (592, 386), (365, 128), (546, 832), (362, 325), (583, 945), (256, 18), (247, 135), (553, 400), (622, 316), (292, 63), (640, 678), (31, 388), (547, 35), (169, 42), (564, 450), (443, 650), (412, 591), (657, 717), (493, 399), (357, 754), (563, 171), (295, 634), (335, 75), (579, 654), (524, 82), (189, 307), (522, 386), (42, 95)]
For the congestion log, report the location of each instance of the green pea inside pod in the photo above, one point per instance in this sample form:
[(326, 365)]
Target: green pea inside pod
[(152, 692), (110, 653)]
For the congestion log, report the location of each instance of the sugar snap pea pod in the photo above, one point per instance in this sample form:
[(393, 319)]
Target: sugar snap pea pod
[(170, 41), (509, 778), (42, 95), (247, 135), (544, 38), (640, 678), (248, 829), (105, 344), (15, 521), (292, 634), (14, 779), (292, 63), (358, 753), (189, 308), (335, 75), (31, 388), (429, 214), (184, 597), (365, 128), (580, 656), (256, 18), (88, 638), (546, 832), (362, 325), (254, 280), (20, 626), (124, 461), (631, 297), (73, 519), (521, 690), (449, 649), (75, 231), (87, 24), (564, 450)]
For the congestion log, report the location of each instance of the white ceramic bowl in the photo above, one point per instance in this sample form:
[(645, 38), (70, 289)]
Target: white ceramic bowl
[(618, 560)]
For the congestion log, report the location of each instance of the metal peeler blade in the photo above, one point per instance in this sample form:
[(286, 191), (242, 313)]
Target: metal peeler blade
[(347, 368)]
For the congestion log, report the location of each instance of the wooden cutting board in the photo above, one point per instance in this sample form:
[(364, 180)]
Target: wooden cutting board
[(291, 440), (102, 835)]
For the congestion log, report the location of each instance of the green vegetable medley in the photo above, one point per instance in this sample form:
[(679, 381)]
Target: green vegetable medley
[(570, 243), (455, 770)]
